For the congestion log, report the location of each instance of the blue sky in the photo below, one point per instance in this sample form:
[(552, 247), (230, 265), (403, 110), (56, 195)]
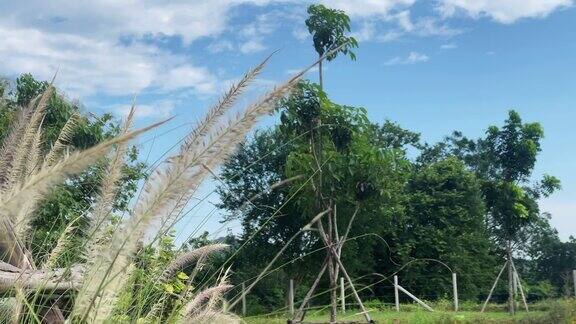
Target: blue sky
[(432, 66)]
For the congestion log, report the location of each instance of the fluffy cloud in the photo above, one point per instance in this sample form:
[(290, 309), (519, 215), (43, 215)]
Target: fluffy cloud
[(368, 8), (87, 66), (448, 46), (110, 47), (110, 19), (160, 109), (117, 47), (412, 58), (503, 11)]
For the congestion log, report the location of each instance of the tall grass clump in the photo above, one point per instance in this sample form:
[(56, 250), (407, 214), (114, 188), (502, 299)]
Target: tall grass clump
[(126, 274)]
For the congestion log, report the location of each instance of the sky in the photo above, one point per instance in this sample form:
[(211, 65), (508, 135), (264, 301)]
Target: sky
[(433, 66)]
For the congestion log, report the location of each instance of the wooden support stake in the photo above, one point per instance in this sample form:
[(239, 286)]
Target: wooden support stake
[(415, 298), (342, 295), (291, 297), (455, 291), (519, 284), (300, 313), (396, 295), (493, 286), (574, 280), (354, 292), (243, 299)]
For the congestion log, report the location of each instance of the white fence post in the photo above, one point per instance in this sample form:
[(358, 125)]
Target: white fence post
[(291, 297), (342, 295), (455, 291), (396, 296), (243, 299)]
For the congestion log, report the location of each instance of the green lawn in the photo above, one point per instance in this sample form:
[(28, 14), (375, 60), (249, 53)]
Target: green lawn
[(551, 311), (420, 317)]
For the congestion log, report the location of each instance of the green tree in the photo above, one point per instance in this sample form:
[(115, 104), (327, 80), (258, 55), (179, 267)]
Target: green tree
[(72, 199), (548, 259), (359, 174), (445, 229), (504, 160), (328, 28)]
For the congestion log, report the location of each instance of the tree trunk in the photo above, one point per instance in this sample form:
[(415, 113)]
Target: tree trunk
[(332, 272), (21, 258), (510, 278), (320, 80), (51, 281)]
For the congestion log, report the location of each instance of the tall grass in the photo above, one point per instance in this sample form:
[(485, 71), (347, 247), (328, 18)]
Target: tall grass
[(108, 286)]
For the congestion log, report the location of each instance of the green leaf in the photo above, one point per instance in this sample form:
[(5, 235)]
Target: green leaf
[(182, 276), (169, 288)]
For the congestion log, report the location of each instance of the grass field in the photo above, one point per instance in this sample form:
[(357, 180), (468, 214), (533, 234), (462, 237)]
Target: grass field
[(560, 311), (419, 317)]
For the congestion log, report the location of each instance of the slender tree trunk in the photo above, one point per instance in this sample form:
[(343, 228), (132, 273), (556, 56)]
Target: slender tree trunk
[(510, 278), (332, 272), (320, 80)]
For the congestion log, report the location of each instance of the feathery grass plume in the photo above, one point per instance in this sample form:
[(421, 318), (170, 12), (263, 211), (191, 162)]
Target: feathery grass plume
[(188, 258), (64, 138), (34, 153), (218, 110), (108, 190), (41, 182), (18, 167), (211, 317), (195, 306), (63, 244), (183, 173), (178, 264), (198, 134), (23, 217), (12, 142)]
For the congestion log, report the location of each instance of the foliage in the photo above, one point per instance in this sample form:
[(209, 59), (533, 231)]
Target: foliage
[(504, 160), (445, 228), (109, 278), (69, 201), (406, 212), (328, 28)]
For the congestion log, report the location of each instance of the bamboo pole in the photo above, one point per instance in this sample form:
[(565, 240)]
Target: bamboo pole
[(396, 295), (415, 298), (519, 284), (243, 299), (493, 286), (291, 297), (342, 295), (455, 291)]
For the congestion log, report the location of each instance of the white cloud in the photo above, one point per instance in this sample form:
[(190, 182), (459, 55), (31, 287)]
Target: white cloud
[(220, 46), (366, 32), (110, 19), (422, 26), (448, 46), (404, 20), (252, 46), (503, 11), (300, 33), (412, 58), (87, 66), (390, 36), (312, 70), (368, 8), (180, 77), (431, 26), (160, 109)]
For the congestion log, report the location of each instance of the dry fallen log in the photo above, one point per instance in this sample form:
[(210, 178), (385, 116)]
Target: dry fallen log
[(57, 280)]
